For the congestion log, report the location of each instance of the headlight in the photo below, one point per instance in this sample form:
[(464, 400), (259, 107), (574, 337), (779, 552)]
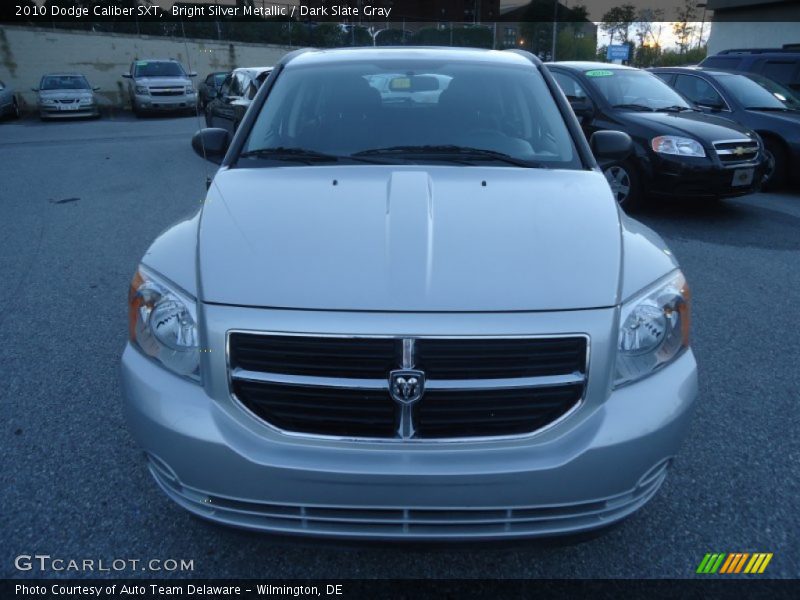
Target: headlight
[(189, 89), (142, 89), (654, 329), (163, 323), (49, 101), (673, 144)]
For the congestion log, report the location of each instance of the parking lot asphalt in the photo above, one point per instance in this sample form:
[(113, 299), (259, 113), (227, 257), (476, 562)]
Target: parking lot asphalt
[(80, 203)]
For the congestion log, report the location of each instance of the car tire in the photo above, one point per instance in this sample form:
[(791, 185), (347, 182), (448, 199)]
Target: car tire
[(625, 184), (779, 167), (15, 112)]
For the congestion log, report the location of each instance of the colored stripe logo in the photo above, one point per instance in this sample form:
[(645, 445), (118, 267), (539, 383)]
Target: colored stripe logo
[(734, 562)]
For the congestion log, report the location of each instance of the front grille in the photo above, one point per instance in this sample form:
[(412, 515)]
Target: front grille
[(736, 151), (167, 91), (68, 101), (473, 386)]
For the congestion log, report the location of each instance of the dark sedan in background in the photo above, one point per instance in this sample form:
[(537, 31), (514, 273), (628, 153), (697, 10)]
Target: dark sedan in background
[(235, 95), (8, 102), (209, 87), (679, 151), (743, 99)]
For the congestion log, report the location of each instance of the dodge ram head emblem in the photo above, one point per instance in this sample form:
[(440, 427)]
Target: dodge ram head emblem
[(406, 385)]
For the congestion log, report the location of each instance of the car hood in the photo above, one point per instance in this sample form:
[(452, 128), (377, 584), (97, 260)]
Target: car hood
[(410, 239), (163, 81), (697, 125), (64, 94), (780, 119)]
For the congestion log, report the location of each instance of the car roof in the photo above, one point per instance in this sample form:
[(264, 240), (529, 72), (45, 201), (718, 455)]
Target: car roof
[(698, 69), (337, 55), (253, 70), (64, 74), (581, 65)]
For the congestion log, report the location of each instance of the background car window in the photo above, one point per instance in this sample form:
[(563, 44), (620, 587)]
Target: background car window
[(572, 89), (2, 85), (224, 90), (64, 82), (346, 109), (789, 98), (238, 85), (699, 91), (782, 71), (634, 87), (143, 68), (722, 62), (748, 92)]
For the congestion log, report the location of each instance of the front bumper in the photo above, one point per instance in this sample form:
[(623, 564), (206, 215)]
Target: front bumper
[(593, 469), (47, 111), (164, 103), (701, 177)]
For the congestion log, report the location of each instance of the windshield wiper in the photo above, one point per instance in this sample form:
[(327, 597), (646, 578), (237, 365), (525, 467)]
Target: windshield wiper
[(674, 108), (461, 153), (633, 106), (772, 108), (292, 154)]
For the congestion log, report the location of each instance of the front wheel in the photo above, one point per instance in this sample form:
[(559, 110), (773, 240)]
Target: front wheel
[(625, 185), (15, 112), (777, 168)]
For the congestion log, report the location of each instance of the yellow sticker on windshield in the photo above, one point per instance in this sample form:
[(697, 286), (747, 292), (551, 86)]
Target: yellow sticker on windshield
[(400, 83), (599, 73)]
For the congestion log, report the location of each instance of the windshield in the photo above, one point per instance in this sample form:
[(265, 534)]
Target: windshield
[(625, 88), (419, 111), (789, 98), (64, 82), (144, 68), (219, 78), (749, 93)]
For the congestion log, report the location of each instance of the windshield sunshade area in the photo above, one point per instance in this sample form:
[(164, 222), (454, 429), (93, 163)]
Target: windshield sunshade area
[(750, 93), (635, 89), (157, 69), (415, 111), (64, 82)]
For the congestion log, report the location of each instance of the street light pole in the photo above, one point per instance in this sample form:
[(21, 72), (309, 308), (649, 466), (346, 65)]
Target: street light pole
[(555, 30), (702, 5)]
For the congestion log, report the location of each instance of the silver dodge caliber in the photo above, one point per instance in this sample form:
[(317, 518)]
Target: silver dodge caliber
[(409, 309)]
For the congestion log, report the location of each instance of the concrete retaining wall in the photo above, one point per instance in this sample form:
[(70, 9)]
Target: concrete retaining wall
[(27, 53)]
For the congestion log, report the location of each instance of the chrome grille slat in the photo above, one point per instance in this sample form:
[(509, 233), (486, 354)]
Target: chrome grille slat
[(503, 387), (736, 151)]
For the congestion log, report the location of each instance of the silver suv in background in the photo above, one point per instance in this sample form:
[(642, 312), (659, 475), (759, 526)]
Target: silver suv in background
[(157, 85)]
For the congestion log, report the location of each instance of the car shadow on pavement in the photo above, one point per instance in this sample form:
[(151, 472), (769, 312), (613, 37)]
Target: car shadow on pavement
[(726, 222)]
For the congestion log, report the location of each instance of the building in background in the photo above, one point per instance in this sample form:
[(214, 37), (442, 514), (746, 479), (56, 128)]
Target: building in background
[(753, 24)]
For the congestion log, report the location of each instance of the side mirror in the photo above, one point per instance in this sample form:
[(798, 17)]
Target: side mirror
[(34, 89), (211, 143), (610, 146), (582, 108), (126, 75), (192, 73), (96, 88)]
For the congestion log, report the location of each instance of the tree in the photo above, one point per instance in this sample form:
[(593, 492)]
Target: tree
[(618, 22), (682, 27)]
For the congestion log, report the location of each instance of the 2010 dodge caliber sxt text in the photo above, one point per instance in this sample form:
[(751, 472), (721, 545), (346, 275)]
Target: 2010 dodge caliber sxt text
[(409, 308)]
